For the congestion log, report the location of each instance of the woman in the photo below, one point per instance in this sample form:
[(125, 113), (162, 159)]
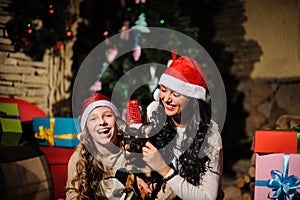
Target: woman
[(92, 167), (187, 150)]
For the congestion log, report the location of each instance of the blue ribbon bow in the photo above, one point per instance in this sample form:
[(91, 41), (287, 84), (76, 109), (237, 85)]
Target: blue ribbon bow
[(281, 184)]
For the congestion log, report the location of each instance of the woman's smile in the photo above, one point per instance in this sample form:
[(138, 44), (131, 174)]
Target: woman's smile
[(173, 102), (169, 106)]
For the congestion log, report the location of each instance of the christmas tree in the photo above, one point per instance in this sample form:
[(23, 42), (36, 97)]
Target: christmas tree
[(36, 26), (137, 16)]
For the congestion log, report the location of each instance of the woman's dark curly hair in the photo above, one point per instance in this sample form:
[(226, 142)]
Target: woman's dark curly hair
[(190, 162)]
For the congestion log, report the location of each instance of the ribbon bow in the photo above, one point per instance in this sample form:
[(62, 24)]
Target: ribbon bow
[(48, 133), (283, 185)]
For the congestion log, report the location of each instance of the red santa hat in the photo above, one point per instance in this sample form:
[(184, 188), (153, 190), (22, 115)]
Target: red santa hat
[(184, 76), (92, 102)]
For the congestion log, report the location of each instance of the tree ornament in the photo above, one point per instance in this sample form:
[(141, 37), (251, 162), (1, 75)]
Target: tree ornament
[(137, 51), (105, 34), (123, 3), (58, 46), (111, 54), (69, 33), (97, 86), (29, 29), (140, 1), (124, 31), (51, 10), (69, 23), (25, 41), (141, 24), (106, 40)]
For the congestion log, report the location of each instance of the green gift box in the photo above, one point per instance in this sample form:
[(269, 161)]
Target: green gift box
[(11, 128)]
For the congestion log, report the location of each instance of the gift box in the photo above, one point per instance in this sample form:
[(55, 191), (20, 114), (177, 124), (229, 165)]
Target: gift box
[(58, 131), (57, 159), (133, 112), (11, 128), (277, 176), (277, 141)]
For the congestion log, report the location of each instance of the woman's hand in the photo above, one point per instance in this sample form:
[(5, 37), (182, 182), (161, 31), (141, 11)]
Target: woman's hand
[(154, 159), (145, 189)]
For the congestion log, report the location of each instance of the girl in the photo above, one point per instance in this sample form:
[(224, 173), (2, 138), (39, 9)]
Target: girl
[(92, 167)]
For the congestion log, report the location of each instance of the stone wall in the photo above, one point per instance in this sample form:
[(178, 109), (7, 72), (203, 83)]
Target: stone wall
[(252, 103), (264, 100)]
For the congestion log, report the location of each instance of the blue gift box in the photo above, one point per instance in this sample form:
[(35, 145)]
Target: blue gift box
[(56, 131)]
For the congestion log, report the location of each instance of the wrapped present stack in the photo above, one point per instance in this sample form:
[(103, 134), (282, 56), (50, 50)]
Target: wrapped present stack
[(57, 137), (277, 174), (56, 131)]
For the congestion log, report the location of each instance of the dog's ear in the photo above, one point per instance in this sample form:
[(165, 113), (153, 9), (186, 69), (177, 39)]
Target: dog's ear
[(121, 124), (146, 129)]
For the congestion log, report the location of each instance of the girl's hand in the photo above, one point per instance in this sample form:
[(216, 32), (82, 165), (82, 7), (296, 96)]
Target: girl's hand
[(154, 159)]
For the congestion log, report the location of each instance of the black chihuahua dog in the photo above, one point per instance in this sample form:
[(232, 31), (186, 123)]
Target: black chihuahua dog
[(133, 140)]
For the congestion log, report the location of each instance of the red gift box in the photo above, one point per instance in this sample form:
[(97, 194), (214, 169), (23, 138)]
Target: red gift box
[(276, 141), (133, 112), (58, 158)]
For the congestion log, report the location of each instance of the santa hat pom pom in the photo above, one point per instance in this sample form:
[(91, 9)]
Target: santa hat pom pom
[(156, 95)]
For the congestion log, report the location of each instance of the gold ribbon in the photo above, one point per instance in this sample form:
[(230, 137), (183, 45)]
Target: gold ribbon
[(47, 133)]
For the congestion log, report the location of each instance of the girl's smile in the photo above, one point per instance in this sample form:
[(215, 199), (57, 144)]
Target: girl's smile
[(101, 125)]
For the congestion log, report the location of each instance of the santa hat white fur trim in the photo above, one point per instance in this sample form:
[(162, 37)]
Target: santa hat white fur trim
[(93, 105), (182, 87)]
